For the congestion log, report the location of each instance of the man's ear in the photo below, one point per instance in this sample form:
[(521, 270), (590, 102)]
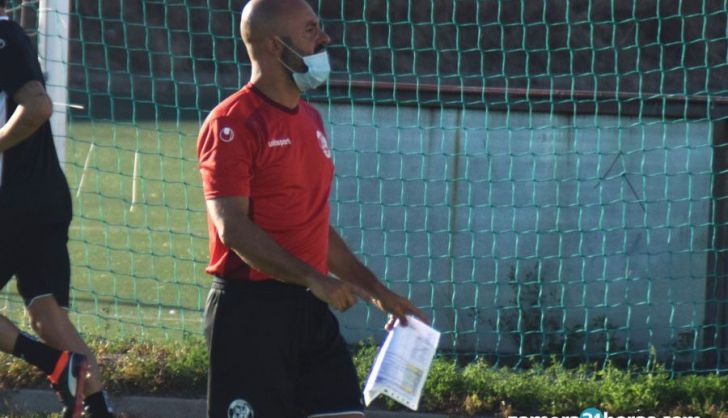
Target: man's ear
[(273, 46)]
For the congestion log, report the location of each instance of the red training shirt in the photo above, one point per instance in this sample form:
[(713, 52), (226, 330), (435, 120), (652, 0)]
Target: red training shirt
[(279, 158)]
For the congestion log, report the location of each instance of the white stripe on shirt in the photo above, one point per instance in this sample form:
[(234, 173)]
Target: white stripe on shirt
[(3, 116)]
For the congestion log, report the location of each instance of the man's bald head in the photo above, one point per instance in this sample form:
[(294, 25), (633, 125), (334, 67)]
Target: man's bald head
[(264, 18)]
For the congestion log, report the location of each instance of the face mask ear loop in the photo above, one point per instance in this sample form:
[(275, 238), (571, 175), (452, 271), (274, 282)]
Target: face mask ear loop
[(287, 67), (278, 38), (292, 50)]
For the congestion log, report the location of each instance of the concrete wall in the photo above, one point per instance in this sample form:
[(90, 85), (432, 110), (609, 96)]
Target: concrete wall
[(470, 212)]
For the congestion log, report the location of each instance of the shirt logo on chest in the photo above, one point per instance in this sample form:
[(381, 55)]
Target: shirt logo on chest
[(279, 142), (324, 144)]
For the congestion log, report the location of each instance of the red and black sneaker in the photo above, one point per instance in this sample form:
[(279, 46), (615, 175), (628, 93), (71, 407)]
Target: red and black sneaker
[(68, 379)]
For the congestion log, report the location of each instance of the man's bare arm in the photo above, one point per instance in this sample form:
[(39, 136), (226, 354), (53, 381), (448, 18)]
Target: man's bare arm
[(260, 251), (33, 110), (344, 264)]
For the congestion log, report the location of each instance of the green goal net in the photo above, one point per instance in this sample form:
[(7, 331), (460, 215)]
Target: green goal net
[(541, 178)]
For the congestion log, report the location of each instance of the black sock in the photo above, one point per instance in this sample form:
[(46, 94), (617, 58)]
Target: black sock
[(97, 405), (36, 353)]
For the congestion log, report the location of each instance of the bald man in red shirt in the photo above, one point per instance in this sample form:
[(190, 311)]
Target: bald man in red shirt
[(275, 347)]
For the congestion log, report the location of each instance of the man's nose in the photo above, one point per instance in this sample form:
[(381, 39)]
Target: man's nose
[(324, 38)]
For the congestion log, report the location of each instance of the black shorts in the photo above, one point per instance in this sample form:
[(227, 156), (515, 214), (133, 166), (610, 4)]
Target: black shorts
[(276, 350), (37, 256)]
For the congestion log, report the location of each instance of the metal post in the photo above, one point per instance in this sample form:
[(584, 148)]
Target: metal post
[(29, 19), (716, 292), (53, 32)]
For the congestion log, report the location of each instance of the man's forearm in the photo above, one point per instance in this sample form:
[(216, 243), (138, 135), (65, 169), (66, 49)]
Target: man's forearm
[(344, 264), (33, 110), (261, 252)]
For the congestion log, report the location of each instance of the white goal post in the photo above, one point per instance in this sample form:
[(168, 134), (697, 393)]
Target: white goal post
[(53, 40)]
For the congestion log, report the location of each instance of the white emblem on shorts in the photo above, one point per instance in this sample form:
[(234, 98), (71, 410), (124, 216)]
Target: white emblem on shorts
[(2, 43), (240, 409), (324, 144), (227, 134)]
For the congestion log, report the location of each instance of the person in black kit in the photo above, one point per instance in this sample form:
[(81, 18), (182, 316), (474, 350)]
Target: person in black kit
[(35, 213)]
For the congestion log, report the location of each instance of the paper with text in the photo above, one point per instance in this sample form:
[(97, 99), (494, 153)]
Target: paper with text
[(403, 363)]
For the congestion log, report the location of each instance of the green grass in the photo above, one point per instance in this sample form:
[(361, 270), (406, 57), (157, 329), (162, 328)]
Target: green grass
[(481, 389), (179, 368), (136, 272)]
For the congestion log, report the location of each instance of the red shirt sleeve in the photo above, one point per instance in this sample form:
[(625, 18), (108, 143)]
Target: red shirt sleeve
[(226, 150)]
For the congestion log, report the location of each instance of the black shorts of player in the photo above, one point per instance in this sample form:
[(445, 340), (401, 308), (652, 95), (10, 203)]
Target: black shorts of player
[(275, 352), (37, 255)]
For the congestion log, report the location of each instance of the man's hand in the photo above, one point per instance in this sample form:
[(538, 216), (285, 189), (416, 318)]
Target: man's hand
[(343, 263), (338, 294), (397, 306)]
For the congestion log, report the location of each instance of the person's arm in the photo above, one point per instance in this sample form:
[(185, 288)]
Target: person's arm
[(344, 264), (33, 110), (260, 251)]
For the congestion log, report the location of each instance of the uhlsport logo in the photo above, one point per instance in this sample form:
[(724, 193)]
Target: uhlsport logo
[(324, 144), (227, 134), (240, 408), (279, 142)]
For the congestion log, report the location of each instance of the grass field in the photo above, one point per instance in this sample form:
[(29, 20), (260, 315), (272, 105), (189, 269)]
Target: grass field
[(136, 270)]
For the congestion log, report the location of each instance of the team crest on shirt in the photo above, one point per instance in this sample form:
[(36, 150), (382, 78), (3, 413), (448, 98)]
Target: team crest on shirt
[(226, 134), (240, 408), (324, 144)]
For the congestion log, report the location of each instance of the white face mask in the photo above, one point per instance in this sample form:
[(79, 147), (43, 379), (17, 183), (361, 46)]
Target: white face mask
[(318, 69)]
